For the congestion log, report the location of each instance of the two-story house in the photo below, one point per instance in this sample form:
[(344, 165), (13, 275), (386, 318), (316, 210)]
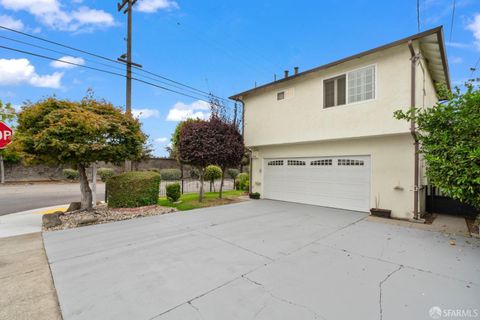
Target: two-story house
[(328, 137)]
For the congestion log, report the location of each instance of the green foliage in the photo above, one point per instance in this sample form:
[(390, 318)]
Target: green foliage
[(71, 174), (449, 136), (171, 174), (233, 173), (133, 189), (62, 131), (212, 173), (154, 170), (242, 182), (173, 192), (105, 173), (255, 195)]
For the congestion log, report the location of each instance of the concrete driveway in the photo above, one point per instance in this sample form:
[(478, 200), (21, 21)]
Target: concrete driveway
[(262, 260)]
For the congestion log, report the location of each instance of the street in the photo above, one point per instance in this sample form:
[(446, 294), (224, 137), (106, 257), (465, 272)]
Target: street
[(27, 196)]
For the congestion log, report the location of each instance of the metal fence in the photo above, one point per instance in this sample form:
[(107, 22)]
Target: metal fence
[(193, 185)]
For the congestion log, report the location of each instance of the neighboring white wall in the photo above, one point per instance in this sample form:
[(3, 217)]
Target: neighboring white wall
[(303, 118), (392, 166)]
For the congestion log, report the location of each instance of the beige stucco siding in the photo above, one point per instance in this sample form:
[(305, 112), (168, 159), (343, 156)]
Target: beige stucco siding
[(303, 117), (391, 166)]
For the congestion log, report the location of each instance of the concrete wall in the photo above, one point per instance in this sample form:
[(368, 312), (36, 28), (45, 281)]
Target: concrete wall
[(19, 172), (391, 160)]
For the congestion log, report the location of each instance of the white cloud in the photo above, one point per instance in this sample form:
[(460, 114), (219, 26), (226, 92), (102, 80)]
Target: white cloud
[(11, 23), (458, 45), (151, 6), (62, 65), (474, 26), (145, 113), (181, 111), (51, 13), (161, 140), (21, 71)]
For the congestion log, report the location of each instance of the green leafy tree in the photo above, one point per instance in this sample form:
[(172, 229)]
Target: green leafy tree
[(213, 173), (79, 134), (449, 136)]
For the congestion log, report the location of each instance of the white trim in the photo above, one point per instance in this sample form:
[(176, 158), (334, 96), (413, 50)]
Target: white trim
[(347, 104)]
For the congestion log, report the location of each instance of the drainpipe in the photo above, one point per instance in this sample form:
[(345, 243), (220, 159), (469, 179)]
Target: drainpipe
[(249, 150), (414, 58)]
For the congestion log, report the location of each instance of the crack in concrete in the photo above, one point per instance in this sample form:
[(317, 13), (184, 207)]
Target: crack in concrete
[(380, 288), (196, 309), (316, 315), (235, 245)]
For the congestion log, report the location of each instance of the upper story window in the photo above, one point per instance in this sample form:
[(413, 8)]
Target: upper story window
[(359, 84), (334, 91), (281, 95), (286, 94)]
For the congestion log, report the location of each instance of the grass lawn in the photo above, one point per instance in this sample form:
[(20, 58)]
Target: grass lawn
[(189, 201)]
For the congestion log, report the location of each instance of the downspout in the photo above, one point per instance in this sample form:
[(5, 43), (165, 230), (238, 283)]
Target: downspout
[(249, 150), (414, 58)]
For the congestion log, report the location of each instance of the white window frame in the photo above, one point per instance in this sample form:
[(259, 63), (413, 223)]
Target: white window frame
[(347, 103)]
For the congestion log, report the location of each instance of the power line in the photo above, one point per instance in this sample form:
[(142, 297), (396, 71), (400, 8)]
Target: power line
[(106, 65), (418, 15), (113, 61), (100, 70), (453, 18)]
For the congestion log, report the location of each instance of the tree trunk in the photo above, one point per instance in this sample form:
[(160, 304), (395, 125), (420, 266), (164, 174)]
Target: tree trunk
[(221, 182), (200, 194), (86, 202)]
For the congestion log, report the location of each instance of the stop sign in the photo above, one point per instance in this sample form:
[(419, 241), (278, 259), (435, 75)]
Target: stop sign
[(5, 135)]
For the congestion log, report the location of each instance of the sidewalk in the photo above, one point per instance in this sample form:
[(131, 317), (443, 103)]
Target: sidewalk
[(25, 222), (27, 286)]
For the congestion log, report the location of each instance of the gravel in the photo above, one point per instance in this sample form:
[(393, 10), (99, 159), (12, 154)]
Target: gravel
[(103, 214)]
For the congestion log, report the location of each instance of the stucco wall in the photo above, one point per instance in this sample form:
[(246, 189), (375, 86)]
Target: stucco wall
[(391, 164), (303, 118)]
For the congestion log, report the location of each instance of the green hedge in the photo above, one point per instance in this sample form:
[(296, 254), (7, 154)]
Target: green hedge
[(105, 173), (242, 182), (173, 192), (71, 174), (133, 189), (171, 174)]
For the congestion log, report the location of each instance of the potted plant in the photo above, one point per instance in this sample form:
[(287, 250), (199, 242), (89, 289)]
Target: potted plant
[(378, 212)]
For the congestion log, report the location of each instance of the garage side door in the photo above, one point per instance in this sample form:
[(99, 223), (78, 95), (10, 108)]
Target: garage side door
[(338, 182)]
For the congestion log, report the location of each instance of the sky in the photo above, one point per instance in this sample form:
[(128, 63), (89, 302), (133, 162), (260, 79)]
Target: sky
[(222, 47)]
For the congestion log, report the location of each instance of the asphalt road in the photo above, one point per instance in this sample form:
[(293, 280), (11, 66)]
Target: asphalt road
[(27, 196)]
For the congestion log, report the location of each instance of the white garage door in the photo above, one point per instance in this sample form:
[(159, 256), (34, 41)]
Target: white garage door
[(338, 182)]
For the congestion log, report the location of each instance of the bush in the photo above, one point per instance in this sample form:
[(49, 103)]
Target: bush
[(71, 174), (171, 174), (194, 173), (242, 182), (105, 173), (154, 170), (133, 189), (255, 195), (212, 173), (233, 173), (173, 192)]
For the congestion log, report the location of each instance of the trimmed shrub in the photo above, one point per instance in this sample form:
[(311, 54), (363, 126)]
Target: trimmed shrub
[(105, 173), (171, 174), (133, 189), (194, 173), (71, 174), (255, 195), (212, 173), (242, 182), (233, 173), (173, 192), (154, 170)]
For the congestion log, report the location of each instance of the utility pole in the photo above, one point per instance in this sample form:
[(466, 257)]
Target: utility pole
[(127, 59)]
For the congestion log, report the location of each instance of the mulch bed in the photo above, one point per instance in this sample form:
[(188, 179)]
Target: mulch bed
[(103, 214)]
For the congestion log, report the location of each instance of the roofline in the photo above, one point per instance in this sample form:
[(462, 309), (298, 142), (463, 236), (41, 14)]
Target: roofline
[(438, 30)]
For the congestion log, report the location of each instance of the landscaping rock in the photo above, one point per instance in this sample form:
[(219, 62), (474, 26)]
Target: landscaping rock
[(74, 206), (87, 219), (52, 220)]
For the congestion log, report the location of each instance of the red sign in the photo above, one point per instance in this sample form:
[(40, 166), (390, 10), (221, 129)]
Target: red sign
[(5, 135)]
